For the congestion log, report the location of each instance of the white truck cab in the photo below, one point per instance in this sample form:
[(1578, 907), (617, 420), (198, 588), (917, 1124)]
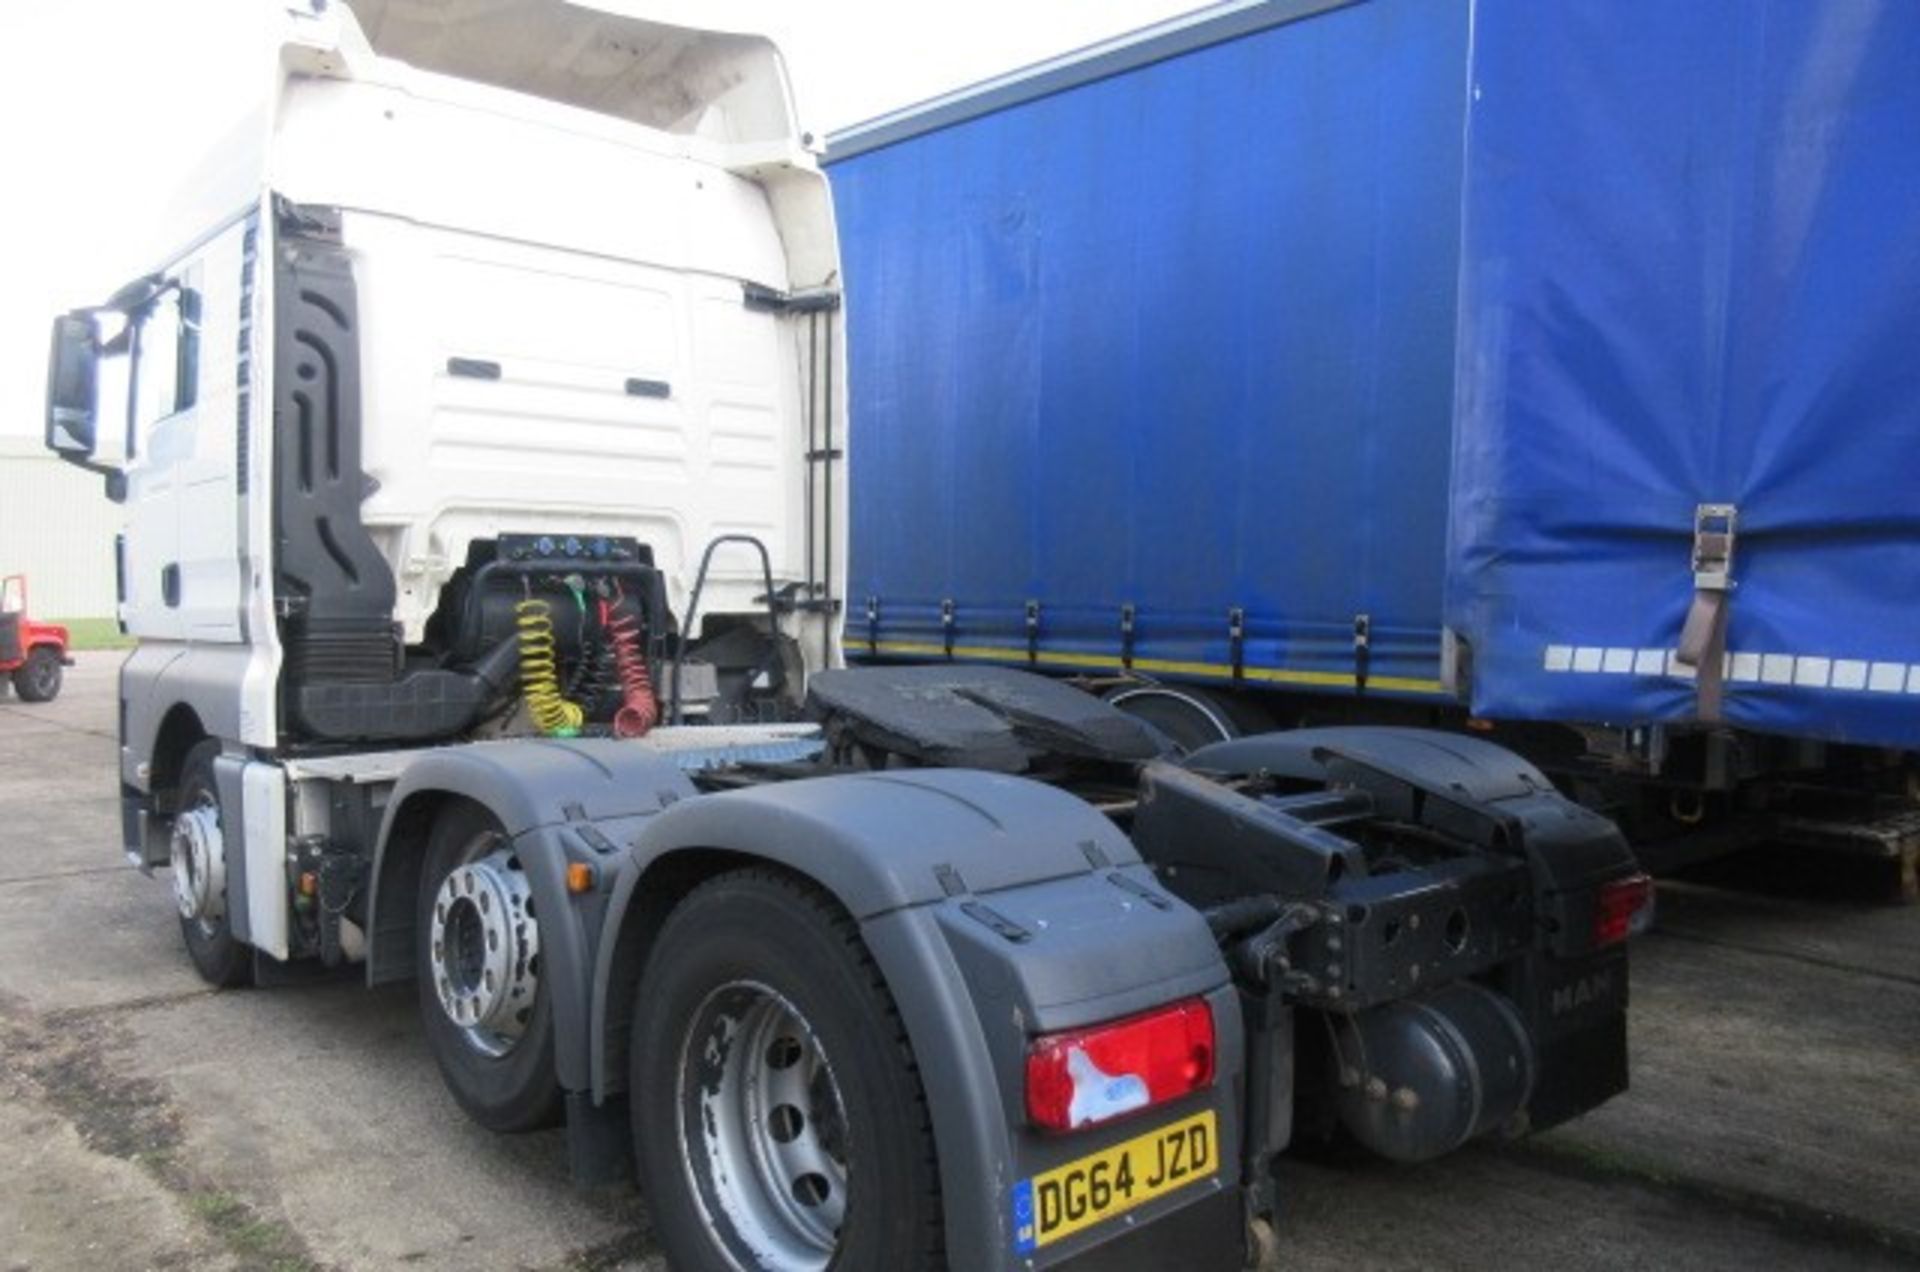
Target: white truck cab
[(465, 272)]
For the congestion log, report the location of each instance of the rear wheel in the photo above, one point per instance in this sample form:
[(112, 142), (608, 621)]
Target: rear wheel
[(38, 679), (198, 858), (486, 1014), (778, 1116), (1190, 718)]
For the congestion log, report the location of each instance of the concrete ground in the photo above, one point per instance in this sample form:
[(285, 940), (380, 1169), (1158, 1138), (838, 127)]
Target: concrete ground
[(148, 1123)]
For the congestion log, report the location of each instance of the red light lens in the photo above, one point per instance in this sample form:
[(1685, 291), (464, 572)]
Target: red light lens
[(1619, 902), (1086, 1076)]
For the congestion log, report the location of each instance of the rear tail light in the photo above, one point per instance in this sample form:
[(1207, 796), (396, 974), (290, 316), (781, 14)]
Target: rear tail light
[(1085, 1076), (1621, 902)]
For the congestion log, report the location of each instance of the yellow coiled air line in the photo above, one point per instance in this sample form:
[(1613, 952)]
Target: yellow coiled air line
[(540, 674)]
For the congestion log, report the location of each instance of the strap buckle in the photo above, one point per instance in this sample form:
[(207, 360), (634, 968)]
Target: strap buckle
[(1714, 526)]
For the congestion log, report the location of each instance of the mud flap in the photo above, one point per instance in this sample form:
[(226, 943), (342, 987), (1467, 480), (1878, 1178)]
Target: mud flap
[(1576, 1010)]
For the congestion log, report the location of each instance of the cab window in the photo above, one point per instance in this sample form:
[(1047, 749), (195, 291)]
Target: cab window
[(166, 361)]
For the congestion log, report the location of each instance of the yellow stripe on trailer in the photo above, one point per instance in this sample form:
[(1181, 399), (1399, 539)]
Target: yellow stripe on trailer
[(1159, 666)]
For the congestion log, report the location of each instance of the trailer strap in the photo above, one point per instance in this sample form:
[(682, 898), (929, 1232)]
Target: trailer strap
[(1703, 637)]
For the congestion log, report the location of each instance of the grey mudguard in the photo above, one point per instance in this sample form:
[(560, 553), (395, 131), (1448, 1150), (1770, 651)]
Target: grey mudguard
[(880, 841), (161, 675), (1469, 766), (972, 999), (997, 908), (538, 781), (561, 801)]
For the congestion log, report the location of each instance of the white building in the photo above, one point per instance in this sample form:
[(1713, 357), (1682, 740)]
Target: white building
[(57, 528)]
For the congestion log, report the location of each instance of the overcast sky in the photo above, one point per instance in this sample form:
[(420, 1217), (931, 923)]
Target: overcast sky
[(105, 100)]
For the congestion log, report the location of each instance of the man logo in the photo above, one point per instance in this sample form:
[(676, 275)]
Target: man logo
[(1577, 994)]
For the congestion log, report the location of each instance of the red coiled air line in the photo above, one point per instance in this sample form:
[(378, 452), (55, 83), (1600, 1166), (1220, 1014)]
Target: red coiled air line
[(639, 709)]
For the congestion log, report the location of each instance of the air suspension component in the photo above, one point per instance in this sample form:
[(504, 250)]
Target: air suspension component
[(1417, 1078)]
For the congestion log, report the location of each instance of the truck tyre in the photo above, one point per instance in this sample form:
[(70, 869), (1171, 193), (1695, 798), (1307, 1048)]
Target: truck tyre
[(38, 678), (1190, 718), (200, 874), (778, 1116), (488, 1020)]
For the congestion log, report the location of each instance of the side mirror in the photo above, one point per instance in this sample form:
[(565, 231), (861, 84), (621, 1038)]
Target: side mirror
[(73, 385)]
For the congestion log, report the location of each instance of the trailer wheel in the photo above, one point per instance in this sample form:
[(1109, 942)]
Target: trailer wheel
[(779, 1120), (1190, 718), (198, 863), (488, 1020), (38, 678)]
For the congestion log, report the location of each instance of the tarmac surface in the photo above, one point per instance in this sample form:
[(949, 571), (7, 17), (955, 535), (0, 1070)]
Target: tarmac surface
[(147, 1122)]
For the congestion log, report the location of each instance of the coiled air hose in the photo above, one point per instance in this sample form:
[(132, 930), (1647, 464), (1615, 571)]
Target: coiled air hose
[(540, 673), (639, 709)]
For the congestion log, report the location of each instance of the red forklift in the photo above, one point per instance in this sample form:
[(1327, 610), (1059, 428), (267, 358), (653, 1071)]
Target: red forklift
[(33, 655)]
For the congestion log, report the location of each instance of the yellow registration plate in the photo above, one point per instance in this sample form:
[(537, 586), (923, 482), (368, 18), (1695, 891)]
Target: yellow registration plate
[(1099, 1186)]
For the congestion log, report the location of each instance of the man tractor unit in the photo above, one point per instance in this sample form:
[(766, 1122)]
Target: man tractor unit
[(483, 451)]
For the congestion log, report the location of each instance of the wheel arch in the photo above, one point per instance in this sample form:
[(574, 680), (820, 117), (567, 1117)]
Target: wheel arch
[(394, 879), (559, 802), (876, 843), (181, 729), (526, 785), (641, 901)]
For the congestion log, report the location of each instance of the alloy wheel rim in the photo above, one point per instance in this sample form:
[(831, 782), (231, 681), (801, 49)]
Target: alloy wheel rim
[(484, 948), (197, 855)]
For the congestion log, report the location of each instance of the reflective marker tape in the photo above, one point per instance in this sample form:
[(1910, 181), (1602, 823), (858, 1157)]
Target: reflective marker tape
[(1744, 667), (1886, 677)]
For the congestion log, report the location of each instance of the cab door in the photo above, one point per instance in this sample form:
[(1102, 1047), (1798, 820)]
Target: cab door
[(163, 388), (185, 503), (215, 305)]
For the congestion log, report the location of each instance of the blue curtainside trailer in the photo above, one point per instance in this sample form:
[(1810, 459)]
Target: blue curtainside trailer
[(1136, 355), (1548, 363)]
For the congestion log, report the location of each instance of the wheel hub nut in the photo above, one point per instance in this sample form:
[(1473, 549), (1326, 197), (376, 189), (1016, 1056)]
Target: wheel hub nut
[(484, 950), (199, 859)]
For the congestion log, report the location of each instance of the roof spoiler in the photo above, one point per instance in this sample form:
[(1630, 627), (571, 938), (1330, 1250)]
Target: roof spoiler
[(728, 88)]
